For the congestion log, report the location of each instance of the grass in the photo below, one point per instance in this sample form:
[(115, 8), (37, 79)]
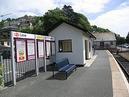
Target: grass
[(1, 76)]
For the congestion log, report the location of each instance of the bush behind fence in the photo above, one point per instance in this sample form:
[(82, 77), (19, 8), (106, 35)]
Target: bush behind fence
[(1, 74)]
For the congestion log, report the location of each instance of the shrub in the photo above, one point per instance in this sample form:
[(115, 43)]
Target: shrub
[(1, 76)]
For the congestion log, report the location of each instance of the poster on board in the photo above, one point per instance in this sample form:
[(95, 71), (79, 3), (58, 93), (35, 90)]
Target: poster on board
[(48, 49), (53, 48), (20, 50), (40, 49), (30, 49)]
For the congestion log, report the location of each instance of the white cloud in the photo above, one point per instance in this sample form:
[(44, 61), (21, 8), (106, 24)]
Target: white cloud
[(42, 6), (85, 6), (116, 20), (30, 6), (90, 6)]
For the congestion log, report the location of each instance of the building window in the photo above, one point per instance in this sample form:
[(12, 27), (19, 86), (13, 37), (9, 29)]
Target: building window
[(102, 44), (65, 45)]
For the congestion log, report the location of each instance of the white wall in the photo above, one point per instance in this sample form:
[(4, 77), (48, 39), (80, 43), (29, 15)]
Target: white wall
[(92, 49), (89, 53), (65, 31)]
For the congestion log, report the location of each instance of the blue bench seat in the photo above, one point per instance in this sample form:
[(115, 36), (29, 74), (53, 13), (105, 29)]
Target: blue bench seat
[(65, 67)]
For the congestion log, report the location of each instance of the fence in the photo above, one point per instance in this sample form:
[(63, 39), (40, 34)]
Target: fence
[(7, 71), (1, 72), (23, 69)]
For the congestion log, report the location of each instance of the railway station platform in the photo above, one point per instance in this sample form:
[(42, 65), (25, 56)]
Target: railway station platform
[(120, 84), (103, 78)]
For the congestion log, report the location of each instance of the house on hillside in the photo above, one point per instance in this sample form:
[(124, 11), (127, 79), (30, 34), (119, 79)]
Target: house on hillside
[(5, 35), (20, 23), (104, 40), (72, 42)]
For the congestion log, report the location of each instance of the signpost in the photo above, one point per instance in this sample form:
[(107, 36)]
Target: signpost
[(13, 59), (41, 49), (40, 45)]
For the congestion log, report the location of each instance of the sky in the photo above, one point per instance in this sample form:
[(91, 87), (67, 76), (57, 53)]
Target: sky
[(110, 14)]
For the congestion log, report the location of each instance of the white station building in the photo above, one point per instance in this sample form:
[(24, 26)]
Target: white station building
[(72, 42)]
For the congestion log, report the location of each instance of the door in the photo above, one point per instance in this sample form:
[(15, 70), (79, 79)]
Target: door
[(86, 49), (102, 44)]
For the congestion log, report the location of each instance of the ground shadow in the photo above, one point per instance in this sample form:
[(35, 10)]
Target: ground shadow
[(57, 76)]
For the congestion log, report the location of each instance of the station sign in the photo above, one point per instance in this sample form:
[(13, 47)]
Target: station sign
[(40, 37), (23, 35), (25, 46)]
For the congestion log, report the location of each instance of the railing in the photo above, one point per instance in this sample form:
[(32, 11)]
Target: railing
[(1, 72), (23, 69), (7, 69)]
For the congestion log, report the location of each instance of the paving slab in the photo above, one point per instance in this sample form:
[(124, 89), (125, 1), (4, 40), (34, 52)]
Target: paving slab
[(93, 81)]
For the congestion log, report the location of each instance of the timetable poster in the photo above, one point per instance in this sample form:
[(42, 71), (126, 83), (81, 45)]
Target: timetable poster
[(48, 49), (53, 48), (20, 50), (30, 49), (40, 49)]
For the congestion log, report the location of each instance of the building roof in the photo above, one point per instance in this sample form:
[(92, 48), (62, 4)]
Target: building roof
[(80, 28), (104, 36)]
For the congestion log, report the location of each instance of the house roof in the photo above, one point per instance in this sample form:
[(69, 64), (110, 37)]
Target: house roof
[(80, 28), (104, 36)]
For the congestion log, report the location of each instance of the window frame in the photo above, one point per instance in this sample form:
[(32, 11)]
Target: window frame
[(111, 42), (60, 44)]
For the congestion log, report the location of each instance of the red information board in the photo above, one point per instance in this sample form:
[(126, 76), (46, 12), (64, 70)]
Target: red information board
[(20, 50)]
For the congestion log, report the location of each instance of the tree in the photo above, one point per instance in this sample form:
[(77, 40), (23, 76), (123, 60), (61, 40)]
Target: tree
[(38, 27), (127, 38), (2, 24), (52, 17), (94, 28), (26, 30), (83, 22), (120, 40), (9, 20), (76, 18), (70, 14)]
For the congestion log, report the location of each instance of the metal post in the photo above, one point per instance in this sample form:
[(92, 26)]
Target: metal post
[(45, 68), (36, 62), (13, 60), (55, 50)]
